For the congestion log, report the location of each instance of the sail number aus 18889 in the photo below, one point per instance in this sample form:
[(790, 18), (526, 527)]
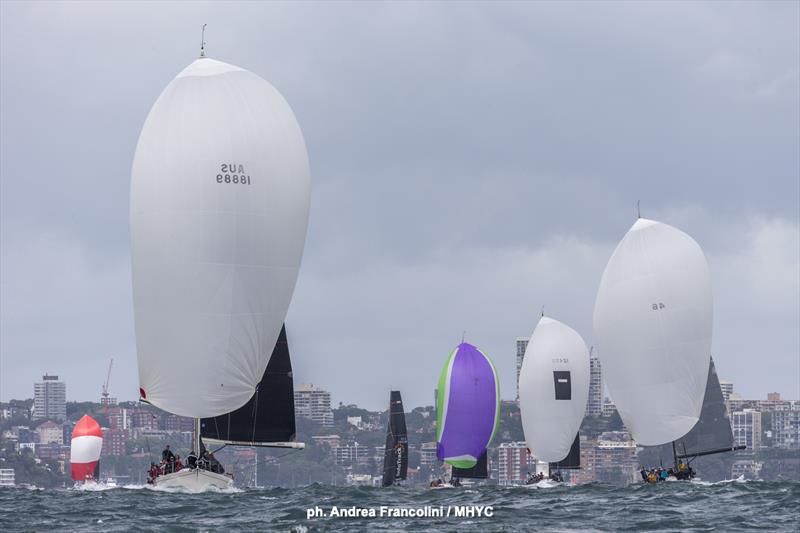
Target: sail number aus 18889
[(233, 173)]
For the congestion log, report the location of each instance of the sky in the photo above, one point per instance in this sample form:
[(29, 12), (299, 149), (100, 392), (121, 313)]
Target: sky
[(470, 162)]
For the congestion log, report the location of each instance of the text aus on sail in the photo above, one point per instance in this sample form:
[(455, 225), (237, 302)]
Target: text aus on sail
[(232, 173)]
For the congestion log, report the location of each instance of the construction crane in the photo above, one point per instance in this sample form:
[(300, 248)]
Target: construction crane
[(104, 396)]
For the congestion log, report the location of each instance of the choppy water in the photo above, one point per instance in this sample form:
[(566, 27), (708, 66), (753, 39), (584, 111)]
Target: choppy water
[(727, 506)]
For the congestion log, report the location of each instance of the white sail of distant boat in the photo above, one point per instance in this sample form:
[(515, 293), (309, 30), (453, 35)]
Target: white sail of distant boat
[(219, 210), (553, 390), (652, 327)]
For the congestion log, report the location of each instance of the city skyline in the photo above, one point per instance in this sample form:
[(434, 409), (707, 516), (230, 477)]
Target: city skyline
[(465, 172)]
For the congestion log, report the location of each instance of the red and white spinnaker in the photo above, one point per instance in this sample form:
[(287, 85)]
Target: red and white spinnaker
[(84, 456)]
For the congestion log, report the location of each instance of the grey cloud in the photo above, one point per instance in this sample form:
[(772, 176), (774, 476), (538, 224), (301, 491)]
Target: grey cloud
[(456, 149)]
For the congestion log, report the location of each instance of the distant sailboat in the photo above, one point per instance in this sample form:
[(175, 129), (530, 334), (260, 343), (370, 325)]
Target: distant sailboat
[(85, 448), (653, 324), (219, 210), (395, 458), (468, 406), (553, 391)]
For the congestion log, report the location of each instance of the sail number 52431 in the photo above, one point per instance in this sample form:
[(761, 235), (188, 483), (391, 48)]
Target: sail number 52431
[(233, 173)]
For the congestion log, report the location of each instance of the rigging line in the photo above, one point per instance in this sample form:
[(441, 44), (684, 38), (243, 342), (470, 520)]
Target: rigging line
[(218, 449)]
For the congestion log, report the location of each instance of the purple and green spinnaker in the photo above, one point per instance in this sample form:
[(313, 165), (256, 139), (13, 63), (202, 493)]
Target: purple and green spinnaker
[(468, 406)]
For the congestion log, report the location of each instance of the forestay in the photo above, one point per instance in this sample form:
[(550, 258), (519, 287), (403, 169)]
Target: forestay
[(652, 327), (553, 389), (219, 209)]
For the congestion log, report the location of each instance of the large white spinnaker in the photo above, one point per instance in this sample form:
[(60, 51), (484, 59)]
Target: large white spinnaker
[(219, 210), (553, 389), (652, 327)]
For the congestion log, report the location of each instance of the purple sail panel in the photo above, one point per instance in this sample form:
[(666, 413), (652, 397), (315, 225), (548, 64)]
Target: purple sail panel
[(468, 406)]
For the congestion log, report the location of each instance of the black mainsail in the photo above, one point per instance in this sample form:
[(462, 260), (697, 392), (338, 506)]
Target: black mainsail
[(573, 459), (479, 471), (395, 459), (712, 433), (267, 420)]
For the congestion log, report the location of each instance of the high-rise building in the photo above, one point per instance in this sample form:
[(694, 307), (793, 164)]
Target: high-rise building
[(746, 427), (727, 389), (609, 408), (514, 463), (50, 398), (594, 404), (314, 403), (773, 396), (786, 429), (522, 345)]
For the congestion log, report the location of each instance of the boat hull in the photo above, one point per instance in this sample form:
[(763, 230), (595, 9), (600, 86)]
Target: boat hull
[(194, 480)]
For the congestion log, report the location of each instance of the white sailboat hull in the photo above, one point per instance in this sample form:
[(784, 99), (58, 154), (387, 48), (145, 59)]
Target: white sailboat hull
[(194, 480)]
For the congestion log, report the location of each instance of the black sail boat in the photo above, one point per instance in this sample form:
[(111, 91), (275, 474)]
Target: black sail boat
[(395, 459), (267, 420), (711, 434)]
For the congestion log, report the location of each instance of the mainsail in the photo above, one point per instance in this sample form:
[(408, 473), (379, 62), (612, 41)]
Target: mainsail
[(268, 418), (219, 210), (395, 459), (468, 407), (553, 389), (479, 471), (712, 433), (573, 459), (85, 447), (652, 326)]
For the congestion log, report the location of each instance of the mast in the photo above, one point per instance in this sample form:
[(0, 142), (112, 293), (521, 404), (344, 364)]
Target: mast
[(196, 437)]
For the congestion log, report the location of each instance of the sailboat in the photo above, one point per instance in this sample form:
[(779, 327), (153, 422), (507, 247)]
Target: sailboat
[(468, 408), (219, 210), (85, 448), (711, 435), (553, 391), (652, 324), (395, 458)]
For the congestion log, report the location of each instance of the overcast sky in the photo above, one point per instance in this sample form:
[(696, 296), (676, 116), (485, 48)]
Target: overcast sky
[(470, 164)]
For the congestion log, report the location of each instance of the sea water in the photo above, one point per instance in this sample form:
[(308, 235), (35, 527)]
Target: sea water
[(678, 506)]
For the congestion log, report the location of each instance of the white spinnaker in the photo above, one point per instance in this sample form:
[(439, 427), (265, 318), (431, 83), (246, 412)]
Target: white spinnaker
[(215, 257), (550, 424), (652, 328), (85, 449)]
